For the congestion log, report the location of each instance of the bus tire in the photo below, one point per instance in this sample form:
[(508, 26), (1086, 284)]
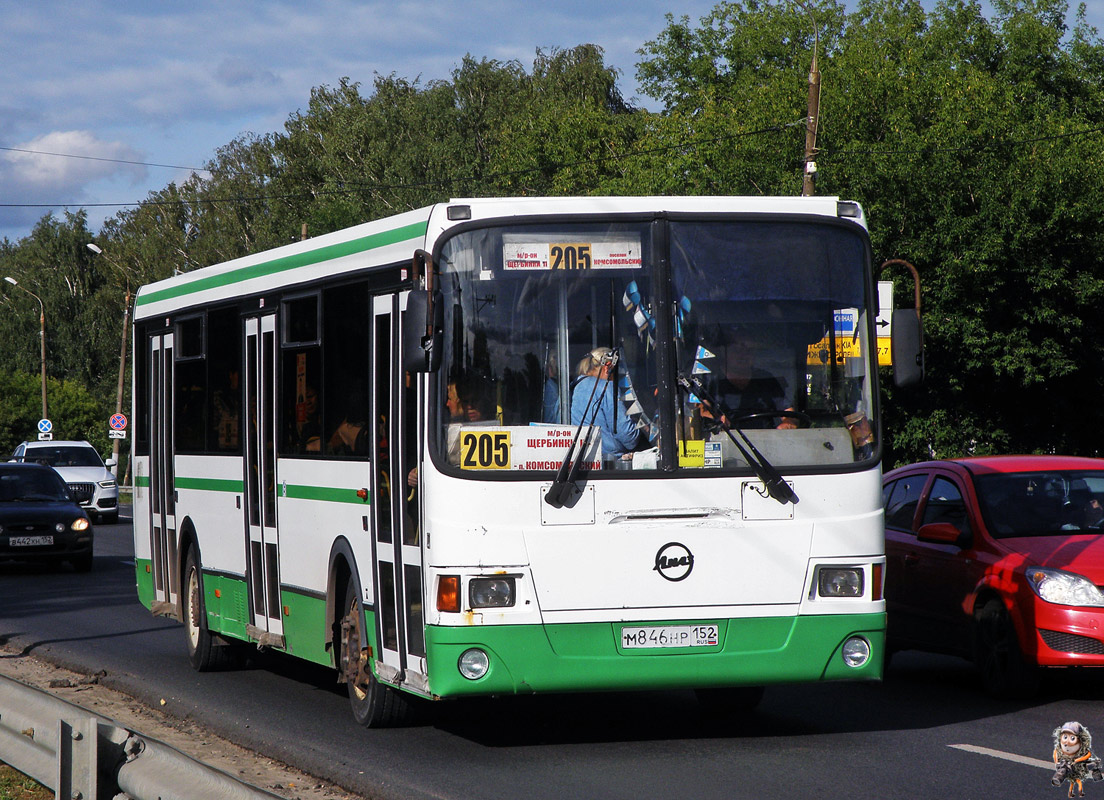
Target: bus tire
[(374, 705), (204, 652)]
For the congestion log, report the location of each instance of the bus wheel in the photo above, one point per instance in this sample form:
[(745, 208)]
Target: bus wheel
[(374, 705), (204, 652)]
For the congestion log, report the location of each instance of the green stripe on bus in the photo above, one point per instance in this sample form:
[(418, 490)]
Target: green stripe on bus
[(323, 493), (142, 480), (382, 239), (210, 484)]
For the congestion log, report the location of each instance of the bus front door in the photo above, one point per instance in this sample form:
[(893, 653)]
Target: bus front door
[(263, 547), (398, 558), (162, 505)]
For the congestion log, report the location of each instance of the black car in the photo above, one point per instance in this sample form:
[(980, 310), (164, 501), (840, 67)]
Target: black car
[(39, 520)]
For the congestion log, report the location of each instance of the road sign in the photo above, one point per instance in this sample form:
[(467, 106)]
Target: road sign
[(118, 422), (116, 434), (884, 323), (45, 426)]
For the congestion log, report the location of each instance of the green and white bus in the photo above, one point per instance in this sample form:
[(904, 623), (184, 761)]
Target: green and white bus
[(374, 450)]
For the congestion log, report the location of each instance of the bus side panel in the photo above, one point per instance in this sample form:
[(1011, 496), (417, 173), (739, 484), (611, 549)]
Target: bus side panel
[(141, 526), (317, 503)]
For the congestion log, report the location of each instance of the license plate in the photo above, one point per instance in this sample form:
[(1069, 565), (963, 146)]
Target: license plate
[(30, 541), (652, 636)]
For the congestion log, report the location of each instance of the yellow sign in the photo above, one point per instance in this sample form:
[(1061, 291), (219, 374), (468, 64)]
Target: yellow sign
[(485, 449), (846, 347), (691, 453)]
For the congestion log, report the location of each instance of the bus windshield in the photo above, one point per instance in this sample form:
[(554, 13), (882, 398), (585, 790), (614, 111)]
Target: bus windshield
[(654, 344)]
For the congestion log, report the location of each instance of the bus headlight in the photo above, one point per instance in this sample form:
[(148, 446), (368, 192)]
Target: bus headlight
[(474, 664), (840, 582), (491, 592), (856, 651)]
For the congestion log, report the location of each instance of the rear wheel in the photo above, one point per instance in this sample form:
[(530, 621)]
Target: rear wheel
[(374, 705), (1004, 673), (204, 651)]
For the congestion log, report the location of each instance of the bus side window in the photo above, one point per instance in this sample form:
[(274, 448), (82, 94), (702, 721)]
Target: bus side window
[(346, 334)]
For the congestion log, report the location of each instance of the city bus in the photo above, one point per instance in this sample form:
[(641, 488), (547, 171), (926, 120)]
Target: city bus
[(501, 446)]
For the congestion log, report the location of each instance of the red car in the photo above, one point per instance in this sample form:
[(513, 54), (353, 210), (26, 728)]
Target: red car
[(999, 559)]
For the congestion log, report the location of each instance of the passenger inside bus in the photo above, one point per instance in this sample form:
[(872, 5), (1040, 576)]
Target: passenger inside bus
[(593, 400)]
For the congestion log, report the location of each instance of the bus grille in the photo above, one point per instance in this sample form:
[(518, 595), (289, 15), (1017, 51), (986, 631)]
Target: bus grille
[(82, 492), (1072, 643)]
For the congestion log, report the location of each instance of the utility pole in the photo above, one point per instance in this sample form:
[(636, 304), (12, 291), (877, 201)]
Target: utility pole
[(813, 118), (122, 350)]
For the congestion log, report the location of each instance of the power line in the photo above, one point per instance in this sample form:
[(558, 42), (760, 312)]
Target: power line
[(366, 187), (99, 158)]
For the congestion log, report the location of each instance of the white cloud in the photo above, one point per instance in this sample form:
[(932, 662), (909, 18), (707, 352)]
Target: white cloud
[(86, 159)]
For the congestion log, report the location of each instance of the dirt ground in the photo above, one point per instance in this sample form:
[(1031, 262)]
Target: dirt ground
[(187, 737)]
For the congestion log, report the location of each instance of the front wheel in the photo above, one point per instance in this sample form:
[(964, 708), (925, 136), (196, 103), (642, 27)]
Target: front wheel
[(1004, 672), (374, 705), (204, 652)]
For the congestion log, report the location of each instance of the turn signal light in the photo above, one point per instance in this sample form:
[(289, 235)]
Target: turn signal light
[(448, 593)]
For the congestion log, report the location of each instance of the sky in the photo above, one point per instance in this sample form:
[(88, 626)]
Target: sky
[(145, 91)]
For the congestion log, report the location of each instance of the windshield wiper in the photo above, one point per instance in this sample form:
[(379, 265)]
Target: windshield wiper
[(560, 491), (763, 469)]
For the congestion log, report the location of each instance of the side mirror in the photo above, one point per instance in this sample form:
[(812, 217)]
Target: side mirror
[(109, 462), (939, 533), (422, 336), (908, 347)]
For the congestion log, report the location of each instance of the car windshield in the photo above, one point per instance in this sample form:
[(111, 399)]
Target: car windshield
[(21, 487), (1041, 503), (63, 456)]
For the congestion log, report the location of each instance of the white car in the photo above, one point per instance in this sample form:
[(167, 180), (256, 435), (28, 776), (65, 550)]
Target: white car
[(91, 483)]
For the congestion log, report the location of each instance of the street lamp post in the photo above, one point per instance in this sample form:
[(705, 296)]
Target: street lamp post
[(42, 335), (122, 351)]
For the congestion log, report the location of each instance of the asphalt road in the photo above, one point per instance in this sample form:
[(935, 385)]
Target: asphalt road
[(926, 731)]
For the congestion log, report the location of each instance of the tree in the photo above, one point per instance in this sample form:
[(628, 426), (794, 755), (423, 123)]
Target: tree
[(965, 140)]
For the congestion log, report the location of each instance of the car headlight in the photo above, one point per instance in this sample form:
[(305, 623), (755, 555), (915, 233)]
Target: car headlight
[(109, 484), (1064, 588), (80, 524)]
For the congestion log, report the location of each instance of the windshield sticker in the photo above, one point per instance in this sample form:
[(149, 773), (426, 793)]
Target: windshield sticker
[(528, 447), (571, 255)]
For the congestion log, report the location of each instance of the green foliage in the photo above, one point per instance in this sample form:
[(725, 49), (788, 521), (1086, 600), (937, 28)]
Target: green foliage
[(75, 412)]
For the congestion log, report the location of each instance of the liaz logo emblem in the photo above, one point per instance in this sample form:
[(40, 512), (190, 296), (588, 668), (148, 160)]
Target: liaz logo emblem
[(674, 561)]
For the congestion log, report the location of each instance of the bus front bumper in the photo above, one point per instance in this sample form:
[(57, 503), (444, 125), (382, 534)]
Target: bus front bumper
[(524, 659)]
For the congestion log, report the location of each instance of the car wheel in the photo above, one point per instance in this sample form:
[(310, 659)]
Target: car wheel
[(83, 563), (1004, 673), (204, 652), (110, 519), (374, 705)]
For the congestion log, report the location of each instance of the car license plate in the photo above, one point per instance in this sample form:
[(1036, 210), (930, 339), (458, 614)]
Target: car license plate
[(651, 636), (30, 541)]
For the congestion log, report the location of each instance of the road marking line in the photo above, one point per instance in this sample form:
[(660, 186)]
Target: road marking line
[(985, 751)]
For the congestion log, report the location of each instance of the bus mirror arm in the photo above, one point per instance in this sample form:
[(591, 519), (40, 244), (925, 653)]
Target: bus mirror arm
[(907, 343), (423, 324)]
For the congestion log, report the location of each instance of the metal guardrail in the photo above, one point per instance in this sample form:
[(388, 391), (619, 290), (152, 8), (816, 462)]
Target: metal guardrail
[(81, 756)]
